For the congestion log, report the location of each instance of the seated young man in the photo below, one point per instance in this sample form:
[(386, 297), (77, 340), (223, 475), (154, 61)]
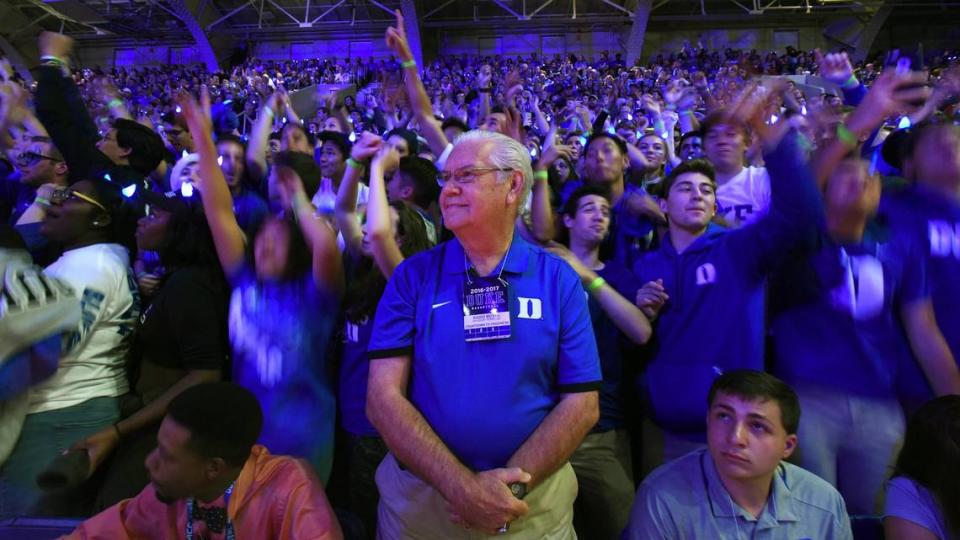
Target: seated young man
[(739, 487), (209, 480)]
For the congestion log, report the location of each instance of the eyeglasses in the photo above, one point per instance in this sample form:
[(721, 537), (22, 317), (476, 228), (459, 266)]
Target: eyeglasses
[(466, 176), (62, 195), (33, 157)]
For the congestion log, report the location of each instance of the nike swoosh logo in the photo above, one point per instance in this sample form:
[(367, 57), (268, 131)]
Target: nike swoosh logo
[(441, 304)]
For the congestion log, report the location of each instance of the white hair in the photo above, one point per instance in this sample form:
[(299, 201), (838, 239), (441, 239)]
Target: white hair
[(505, 154)]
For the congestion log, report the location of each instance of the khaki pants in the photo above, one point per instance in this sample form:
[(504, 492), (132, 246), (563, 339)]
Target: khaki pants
[(411, 508)]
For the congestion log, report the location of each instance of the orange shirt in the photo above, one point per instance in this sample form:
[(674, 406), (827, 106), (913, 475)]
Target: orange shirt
[(275, 497)]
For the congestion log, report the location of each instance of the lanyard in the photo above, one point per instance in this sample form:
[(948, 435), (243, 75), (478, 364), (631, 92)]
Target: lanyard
[(188, 532), (467, 266)]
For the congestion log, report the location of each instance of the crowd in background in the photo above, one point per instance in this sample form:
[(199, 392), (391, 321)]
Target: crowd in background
[(218, 228)]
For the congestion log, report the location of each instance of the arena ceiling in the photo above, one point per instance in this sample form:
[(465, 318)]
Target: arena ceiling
[(159, 19)]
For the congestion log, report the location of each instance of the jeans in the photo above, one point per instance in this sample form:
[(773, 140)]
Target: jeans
[(605, 477), (850, 441), (44, 436)]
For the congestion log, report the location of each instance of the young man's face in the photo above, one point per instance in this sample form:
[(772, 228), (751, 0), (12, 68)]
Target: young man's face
[(691, 148), (176, 471), (691, 202), (747, 439), (851, 189), (725, 146), (591, 221), (231, 162), (603, 161)]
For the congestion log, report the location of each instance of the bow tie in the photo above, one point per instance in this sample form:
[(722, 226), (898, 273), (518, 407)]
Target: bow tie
[(215, 517)]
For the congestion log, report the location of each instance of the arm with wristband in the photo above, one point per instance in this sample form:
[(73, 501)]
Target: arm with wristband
[(383, 243), (256, 156), (345, 207)]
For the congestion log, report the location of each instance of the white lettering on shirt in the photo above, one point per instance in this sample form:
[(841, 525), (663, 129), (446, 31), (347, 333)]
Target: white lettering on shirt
[(944, 239), (706, 274)]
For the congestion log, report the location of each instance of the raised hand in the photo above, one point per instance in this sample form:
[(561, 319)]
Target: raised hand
[(386, 159), (396, 38), (835, 67)]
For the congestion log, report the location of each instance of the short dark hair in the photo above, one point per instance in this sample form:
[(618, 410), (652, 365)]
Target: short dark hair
[(422, 174), (224, 420), (305, 167), (454, 123), (621, 144), (755, 385), (701, 166), (146, 147), (306, 133), (570, 205), (689, 135)]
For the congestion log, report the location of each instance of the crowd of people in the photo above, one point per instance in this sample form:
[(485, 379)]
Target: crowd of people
[(699, 300)]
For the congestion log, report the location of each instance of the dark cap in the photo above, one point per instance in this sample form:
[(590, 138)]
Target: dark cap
[(171, 201), (337, 138), (621, 144)]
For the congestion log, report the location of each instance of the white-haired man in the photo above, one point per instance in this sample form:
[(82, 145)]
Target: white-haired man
[(484, 368)]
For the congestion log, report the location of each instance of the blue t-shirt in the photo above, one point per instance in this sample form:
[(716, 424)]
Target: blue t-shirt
[(250, 210), (485, 398), (929, 223), (279, 332), (614, 348), (836, 316)]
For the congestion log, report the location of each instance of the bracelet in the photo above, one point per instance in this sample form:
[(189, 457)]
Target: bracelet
[(851, 83), (409, 63), (298, 204), (354, 164), (596, 284), (117, 429), (541, 175), (847, 136), (686, 111), (41, 200), (53, 60), (115, 102), (269, 111)]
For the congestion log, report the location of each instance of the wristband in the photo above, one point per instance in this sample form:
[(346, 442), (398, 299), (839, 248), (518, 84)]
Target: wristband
[(53, 60), (409, 63), (540, 175), (269, 111), (687, 111), (115, 102), (354, 164), (299, 203), (41, 200), (847, 136), (671, 107), (851, 83), (596, 284)]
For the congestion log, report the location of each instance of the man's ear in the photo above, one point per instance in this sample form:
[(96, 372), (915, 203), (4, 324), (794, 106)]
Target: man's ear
[(61, 168), (789, 446), (662, 202), (567, 221), (215, 468), (516, 187)]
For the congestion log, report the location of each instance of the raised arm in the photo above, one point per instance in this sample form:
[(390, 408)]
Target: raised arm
[(214, 192), (345, 207), (542, 218), (417, 94), (259, 137), (320, 236), (383, 242)]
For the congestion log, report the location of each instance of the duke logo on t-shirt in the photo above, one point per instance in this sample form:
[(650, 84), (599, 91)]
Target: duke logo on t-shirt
[(530, 308), (706, 274), (944, 238)]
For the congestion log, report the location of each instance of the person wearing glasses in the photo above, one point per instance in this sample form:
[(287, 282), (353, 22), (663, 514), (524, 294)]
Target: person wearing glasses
[(42, 169), (94, 224), (484, 369)]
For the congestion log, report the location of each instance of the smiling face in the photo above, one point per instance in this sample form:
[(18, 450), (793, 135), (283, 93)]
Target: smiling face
[(691, 202), (483, 199), (72, 214), (654, 149), (232, 163), (725, 145), (747, 439)]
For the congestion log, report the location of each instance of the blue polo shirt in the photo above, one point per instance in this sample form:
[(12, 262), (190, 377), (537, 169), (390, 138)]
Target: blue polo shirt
[(929, 222), (686, 499), (485, 398), (354, 369)]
